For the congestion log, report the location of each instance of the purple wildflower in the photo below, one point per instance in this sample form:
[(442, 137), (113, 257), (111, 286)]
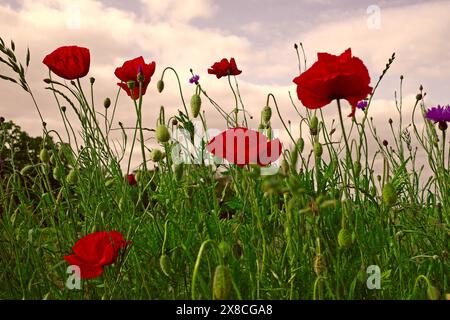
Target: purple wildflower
[(362, 105), (438, 114), (194, 79)]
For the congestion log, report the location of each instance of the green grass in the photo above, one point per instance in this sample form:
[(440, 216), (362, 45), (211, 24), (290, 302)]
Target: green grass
[(280, 226)]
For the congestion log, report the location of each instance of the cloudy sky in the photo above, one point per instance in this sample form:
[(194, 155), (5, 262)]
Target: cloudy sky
[(260, 35)]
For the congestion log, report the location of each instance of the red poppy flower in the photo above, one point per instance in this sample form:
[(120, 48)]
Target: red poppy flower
[(131, 179), (334, 77), (243, 146), (70, 62), (224, 68), (94, 251), (129, 72)]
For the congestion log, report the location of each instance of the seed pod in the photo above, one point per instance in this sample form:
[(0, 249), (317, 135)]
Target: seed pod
[(178, 170), (72, 177), (165, 264), (162, 134), (196, 103), (44, 155), (131, 85), (319, 264), (433, 293), (314, 123), (266, 114), (160, 86), (344, 239), (26, 169), (389, 194), (222, 282), (156, 155), (318, 149)]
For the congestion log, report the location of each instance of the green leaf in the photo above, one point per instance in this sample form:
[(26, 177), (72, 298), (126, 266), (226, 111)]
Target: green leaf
[(28, 57), (7, 78)]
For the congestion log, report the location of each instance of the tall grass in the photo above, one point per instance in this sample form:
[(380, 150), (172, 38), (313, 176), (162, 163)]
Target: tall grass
[(308, 232)]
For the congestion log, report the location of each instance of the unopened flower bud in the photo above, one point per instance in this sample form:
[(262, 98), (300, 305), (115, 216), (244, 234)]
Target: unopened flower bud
[(92, 80), (385, 143), (72, 177), (160, 86), (162, 134), (44, 155), (196, 103), (318, 150), (107, 103), (266, 114), (222, 282), (344, 239), (433, 293), (389, 194), (313, 125), (156, 155)]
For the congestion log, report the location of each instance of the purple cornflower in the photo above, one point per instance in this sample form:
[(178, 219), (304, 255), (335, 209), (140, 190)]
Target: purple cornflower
[(439, 114), (362, 105), (194, 79)]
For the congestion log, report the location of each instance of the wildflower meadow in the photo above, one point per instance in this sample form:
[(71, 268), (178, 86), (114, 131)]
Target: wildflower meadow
[(240, 213)]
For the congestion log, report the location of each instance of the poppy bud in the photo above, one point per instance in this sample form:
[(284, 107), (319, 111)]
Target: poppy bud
[(196, 103), (178, 170), (284, 168), (319, 264), (57, 173), (385, 143), (131, 84), (266, 114), (47, 80), (165, 264), (389, 194), (222, 282), (419, 96), (162, 134), (156, 155), (92, 80), (300, 144), (314, 123), (174, 122), (26, 169), (72, 177), (160, 86), (344, 239), (318, 149), (433, 293), (378, 178), (44, 155), (63, 109), (295, 46), (390, 121), (107, 103)]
